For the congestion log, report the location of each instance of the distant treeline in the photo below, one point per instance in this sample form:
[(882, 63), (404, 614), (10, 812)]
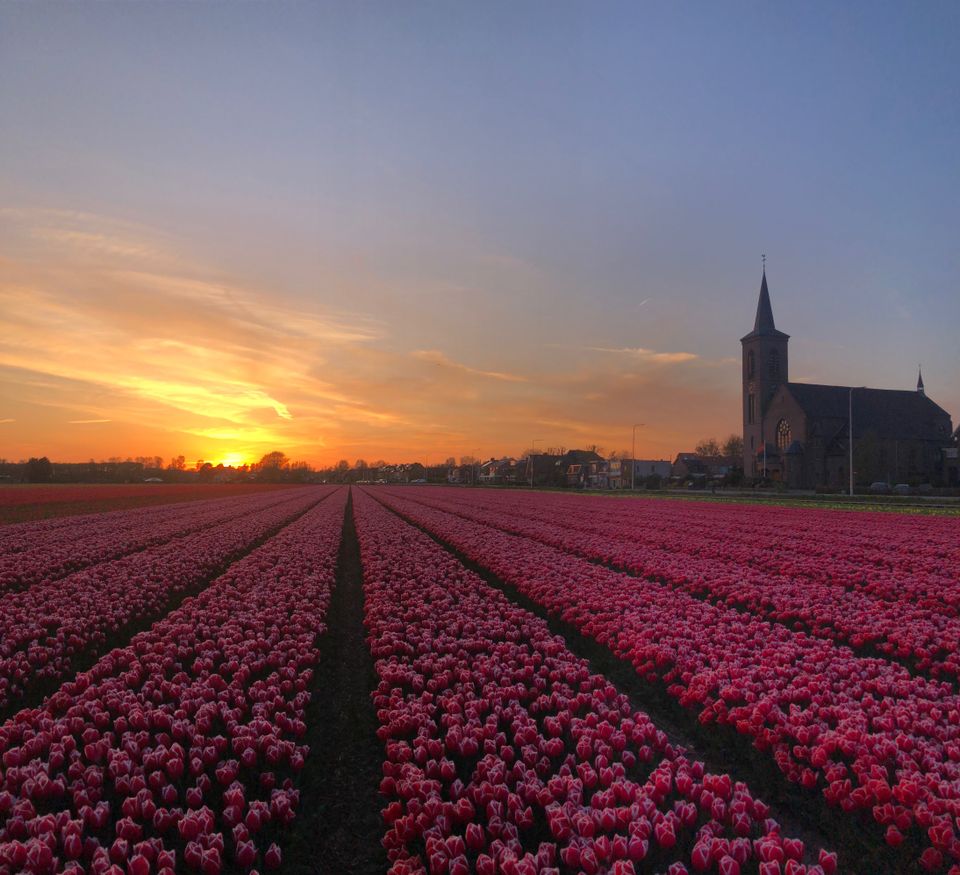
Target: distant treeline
[(272, 468)]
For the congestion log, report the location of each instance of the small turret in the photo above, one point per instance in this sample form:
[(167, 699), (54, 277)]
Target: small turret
[(920, 381)]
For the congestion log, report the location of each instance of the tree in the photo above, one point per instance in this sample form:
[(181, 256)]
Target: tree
[(300, 472), (177, 464), (39, 470), (733, 446), (707, 447), (341, 470), (273, 466), (451, 462)]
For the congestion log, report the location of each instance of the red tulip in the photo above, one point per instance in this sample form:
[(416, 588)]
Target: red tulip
[(272, 857)]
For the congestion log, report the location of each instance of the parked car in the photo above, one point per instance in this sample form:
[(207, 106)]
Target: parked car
[(901, 489), (880, 487)]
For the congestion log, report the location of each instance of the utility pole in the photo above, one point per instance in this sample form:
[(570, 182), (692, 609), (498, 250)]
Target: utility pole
[(633, 456)]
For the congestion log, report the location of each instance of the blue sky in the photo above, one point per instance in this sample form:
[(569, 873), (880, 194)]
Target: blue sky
[(508, 220)]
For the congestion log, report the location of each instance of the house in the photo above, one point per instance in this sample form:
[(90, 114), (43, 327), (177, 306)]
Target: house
[(498, 471), (688, 465), (582, 469)]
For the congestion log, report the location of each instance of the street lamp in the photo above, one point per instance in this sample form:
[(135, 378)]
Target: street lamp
[(533, 446), (633, 456)]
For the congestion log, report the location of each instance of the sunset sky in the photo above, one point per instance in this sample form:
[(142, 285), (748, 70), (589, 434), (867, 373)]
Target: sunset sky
[(414, 230)]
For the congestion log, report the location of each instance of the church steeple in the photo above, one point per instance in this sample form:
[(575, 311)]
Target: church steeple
[(920, 381), (764, 371), (763, 324)]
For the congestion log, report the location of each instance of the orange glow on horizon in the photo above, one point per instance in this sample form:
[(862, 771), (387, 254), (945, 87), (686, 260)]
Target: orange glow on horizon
[(114, 342), (232, 460)]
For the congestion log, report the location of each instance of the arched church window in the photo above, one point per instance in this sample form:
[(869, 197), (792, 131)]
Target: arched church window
[(783, 434), (751, 363), (773, 364)]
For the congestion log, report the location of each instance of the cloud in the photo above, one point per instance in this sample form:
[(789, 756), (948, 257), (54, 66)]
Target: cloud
[(434, 356), (6, 420), (649, 355), (149, 338), (109, 320)]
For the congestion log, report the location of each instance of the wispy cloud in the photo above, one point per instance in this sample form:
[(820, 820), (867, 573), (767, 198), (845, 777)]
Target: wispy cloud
[(649, 355), (6, 420), (106, 322), (436, 357), (114, 308)]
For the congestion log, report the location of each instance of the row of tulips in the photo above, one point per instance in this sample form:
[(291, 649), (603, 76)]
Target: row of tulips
[(46, 550), (872, 737), (504, 754), (180, 752), (46, 628), (881, 551), (909, 626)]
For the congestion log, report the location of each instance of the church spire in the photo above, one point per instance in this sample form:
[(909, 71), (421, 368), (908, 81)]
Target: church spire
[(920, 380), (764, 321)]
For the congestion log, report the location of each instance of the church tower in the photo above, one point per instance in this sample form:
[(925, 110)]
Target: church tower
[(764, 369)]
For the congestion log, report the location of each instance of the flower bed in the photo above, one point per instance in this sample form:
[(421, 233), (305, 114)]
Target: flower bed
[(865, 732), (46, 629), (906, 611), (181, 750), (44, 551), (503, 753)]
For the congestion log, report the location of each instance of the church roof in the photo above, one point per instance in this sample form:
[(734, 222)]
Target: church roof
[(763, 325), (890, 413)]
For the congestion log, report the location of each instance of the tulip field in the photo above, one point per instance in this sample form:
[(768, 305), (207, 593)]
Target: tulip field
[(447, 681)]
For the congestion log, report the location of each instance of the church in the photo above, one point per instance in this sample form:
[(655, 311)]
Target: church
[(799, 433)]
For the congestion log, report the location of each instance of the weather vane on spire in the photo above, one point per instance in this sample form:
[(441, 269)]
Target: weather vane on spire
[(763, 258)]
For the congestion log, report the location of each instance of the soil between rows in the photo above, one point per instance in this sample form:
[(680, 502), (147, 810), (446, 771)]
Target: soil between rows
[(857, 840), (338, 827)]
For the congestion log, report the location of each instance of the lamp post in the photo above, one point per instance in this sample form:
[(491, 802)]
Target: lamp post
[(850, 435), (633, 456), (533, 446)]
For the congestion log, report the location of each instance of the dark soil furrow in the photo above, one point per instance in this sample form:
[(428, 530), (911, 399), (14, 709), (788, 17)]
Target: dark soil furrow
[(339, 828)]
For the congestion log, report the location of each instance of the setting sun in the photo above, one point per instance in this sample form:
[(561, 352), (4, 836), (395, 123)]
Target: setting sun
[(232, 460)]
